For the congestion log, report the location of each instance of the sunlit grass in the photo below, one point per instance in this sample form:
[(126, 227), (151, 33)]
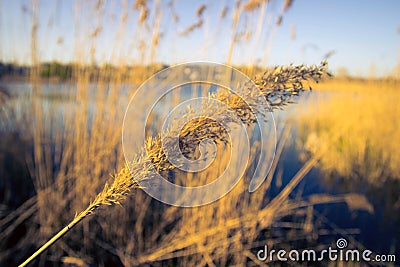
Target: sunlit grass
[(367, 114), (74, 148)]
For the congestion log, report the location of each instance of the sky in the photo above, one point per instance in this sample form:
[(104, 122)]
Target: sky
[(361, 36)]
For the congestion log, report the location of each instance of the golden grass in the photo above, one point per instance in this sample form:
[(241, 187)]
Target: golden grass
[(367, 113), (221, 233), (69, 165)]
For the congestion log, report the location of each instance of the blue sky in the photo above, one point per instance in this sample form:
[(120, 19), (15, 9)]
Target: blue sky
[(364, 35)]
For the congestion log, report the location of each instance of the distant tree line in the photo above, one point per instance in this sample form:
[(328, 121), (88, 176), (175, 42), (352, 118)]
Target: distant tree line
[(11, 69), (55, 69), (71, 71)]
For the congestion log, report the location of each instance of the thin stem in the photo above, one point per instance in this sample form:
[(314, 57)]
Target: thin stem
[(60, 234)]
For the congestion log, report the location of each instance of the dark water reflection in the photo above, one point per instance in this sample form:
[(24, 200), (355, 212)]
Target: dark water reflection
[(378, 232)]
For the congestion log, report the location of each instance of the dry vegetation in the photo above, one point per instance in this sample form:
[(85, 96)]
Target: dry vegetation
[(68, 147), (71, 163), (365, 112)]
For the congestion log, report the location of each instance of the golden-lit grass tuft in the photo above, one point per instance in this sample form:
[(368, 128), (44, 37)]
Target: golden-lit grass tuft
[(367, 114)]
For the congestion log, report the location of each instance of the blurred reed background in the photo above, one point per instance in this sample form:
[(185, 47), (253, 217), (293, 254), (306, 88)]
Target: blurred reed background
[(61, 142)]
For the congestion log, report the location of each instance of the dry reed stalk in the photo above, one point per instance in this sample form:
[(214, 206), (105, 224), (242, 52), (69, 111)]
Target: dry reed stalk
[(278, 85)]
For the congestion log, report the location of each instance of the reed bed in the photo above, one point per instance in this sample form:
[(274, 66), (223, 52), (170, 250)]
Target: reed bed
[(366, 112), (154, 232), (69, 156)]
